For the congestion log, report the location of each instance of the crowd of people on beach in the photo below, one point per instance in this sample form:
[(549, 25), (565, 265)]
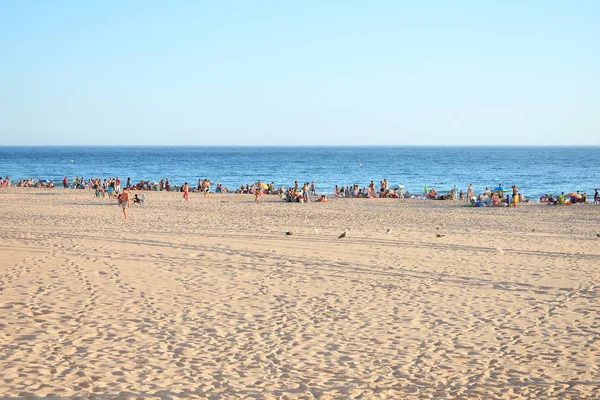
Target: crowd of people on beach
[(354, 191), (570, 198), (493, 197), (500, 197)]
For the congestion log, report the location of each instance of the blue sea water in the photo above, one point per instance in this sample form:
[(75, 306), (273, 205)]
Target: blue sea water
[(535, 170)]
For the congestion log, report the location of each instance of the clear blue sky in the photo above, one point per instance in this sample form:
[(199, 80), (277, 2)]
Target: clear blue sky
[(299, 72)]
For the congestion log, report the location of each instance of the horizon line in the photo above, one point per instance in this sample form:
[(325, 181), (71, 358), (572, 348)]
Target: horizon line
[(303, 145)]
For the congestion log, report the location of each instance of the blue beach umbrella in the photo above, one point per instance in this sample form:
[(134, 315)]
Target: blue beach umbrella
[(499, 189)]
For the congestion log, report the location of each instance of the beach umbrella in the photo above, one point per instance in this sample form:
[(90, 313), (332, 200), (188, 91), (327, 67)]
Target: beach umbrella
[(262, 185), (499, 189), (400, 186), (573, 194)]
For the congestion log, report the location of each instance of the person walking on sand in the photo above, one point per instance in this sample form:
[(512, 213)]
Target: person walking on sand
[(186, 191), (596, 198), (470, 192), (257, 195), (125, 202)]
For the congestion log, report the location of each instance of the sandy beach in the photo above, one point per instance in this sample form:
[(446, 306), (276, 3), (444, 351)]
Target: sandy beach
[(210, 299)]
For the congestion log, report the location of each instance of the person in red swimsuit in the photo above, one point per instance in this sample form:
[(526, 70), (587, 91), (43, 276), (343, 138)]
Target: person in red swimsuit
[(186, 191)]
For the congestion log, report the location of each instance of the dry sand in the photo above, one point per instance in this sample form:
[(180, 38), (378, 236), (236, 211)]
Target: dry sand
[(209, 299)]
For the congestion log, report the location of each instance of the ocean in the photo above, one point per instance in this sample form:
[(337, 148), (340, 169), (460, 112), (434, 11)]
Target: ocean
[(535, 170)]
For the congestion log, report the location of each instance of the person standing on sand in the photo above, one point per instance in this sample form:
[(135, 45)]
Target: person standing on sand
[(515, 194), (596, 198), (206, 187), (313, 189), (186, 191), (257, 195), (305, 192), (125, 202), (470, 192)]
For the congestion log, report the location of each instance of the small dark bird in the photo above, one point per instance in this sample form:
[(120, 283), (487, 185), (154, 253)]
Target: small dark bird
[(389, 230), (439, 235), (597, 234), (288, 234), (533, 230), (343, 235)]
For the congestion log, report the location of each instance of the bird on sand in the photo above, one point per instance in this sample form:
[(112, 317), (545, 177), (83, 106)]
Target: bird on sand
[(597, 234), (288, 234), (389, 230), (344, 234), (316, 231), (438, 234)]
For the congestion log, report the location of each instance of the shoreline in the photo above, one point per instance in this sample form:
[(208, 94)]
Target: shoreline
[(194, 191)]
